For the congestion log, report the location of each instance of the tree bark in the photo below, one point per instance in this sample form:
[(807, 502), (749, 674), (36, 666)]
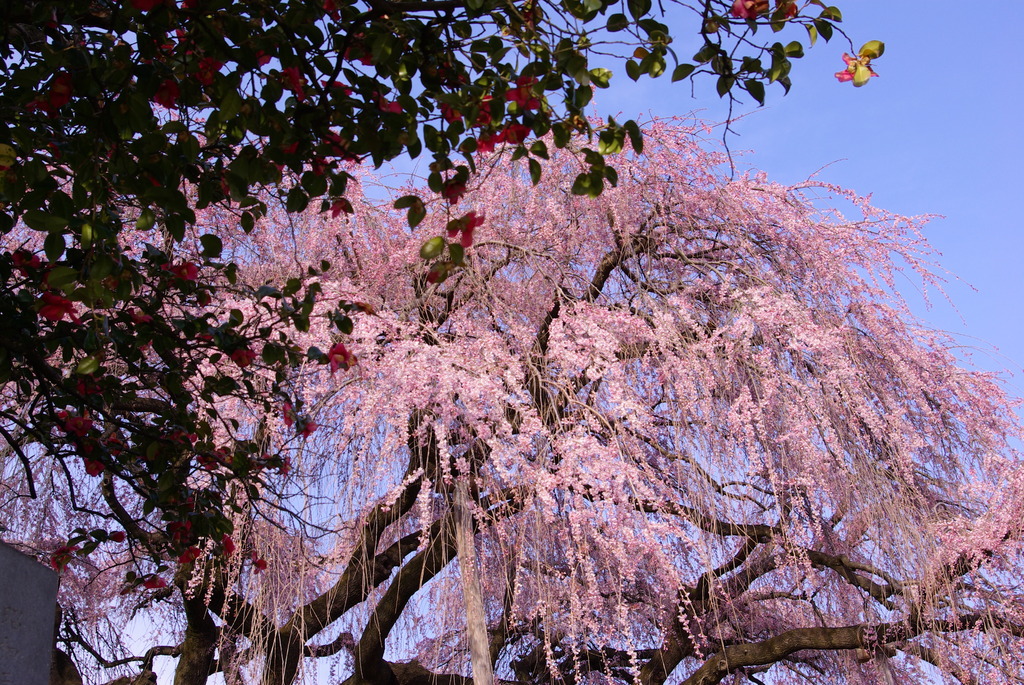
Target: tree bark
[(197, 649), (63, 670), (469, 572)]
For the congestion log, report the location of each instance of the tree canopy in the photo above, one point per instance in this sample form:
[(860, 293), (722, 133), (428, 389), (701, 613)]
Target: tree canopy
[(130, 130), (699, 436)]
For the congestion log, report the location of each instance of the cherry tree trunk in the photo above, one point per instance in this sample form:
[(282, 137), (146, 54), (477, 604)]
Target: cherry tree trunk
[(476, 621)]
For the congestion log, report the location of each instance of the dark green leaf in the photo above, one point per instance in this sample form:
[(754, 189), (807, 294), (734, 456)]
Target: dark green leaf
[(639, 8), (535, 171), (43, 221), (416, 214), (406, 201), (212, 245), (617, 22), (635, 136), (725, 84), (457, 253), (756, 89), (53, 246), (61, 277), (682, 71)]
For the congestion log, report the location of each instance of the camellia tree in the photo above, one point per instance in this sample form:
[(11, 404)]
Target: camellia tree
[(689, 434), (130, 130)]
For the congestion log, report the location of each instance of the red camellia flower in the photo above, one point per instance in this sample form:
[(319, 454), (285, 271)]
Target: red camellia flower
[(92, 466), (337, 85), (180, 531), (294, 81), (437, 271), (319, 165), (388, 106), (211, 460), (243, 356), (308, 428), (341, 206), (331, 8), (55, 308), (154, 582), (189, 555), (465, 225), (61, 556), (181, 437), (516, 133), (858, 69), (523, 95), (139, 317), (513, 133), (749, 9), (483, 116), (788, 7), (74, 425), (185, 270), (117, 536), (259, 565), (228, 544), (86, 385), (167, 93), (114, 445), (208, 68), (486, 142), (450, 114), (340, 358), (25, 260), (358, 52), (61, 89), (340, 147), (453, 191)]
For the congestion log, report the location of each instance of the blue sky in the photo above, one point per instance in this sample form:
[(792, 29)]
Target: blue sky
[(937, 133)]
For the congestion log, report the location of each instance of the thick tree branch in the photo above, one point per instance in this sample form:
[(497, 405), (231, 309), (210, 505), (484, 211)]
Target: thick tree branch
[(197, 649), (757, 531), (370, 668), (770, 651), (841, 565)]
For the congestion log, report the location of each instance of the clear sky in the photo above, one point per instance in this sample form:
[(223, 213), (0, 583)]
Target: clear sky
[(939, 132)]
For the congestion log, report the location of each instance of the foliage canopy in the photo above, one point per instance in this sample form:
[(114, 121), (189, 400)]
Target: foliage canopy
[(127, 126)]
